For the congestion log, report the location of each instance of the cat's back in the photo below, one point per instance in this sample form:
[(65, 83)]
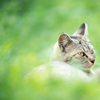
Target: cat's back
[(62, 70)]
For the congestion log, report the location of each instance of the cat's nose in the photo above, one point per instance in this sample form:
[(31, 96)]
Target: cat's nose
[(92, 61)]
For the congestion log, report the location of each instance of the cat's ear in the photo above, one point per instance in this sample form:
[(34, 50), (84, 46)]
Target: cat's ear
[(64, 40), (82, 31)]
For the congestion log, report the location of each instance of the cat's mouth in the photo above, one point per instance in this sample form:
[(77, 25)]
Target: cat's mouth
[(89, 64), (92, 63)]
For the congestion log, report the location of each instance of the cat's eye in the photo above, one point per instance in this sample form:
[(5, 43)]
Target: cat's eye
[(81, 54)]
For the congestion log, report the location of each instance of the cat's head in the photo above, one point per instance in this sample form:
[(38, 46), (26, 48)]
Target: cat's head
[(77, 46)]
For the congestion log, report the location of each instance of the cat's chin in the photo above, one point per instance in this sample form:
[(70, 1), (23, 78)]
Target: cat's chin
[(89, 66)]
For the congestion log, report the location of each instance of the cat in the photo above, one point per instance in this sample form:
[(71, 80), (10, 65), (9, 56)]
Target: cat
[(75, 49), (73, 56)]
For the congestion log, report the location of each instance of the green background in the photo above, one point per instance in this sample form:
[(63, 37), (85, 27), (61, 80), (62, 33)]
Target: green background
[(28, 31)]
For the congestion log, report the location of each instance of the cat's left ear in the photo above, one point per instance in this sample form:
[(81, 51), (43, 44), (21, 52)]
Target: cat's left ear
[(64, 39), (82, 31)]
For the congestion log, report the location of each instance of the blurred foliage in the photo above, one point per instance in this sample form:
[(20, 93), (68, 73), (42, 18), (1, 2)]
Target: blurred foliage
[(28, 31)]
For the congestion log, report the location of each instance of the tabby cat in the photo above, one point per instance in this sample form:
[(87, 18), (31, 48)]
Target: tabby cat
[(73, 56), (75, 49)]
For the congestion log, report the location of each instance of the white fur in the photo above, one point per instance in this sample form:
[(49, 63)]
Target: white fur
[(56, 52), (62, 70)]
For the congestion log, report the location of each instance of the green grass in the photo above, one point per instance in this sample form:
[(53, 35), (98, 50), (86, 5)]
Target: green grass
[(28, 31)]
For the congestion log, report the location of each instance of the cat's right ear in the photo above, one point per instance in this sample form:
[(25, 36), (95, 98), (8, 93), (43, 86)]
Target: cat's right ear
[(82, 31), (64, 40)]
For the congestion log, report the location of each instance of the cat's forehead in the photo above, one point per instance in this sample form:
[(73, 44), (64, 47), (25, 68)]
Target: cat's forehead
[(84, 42)]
